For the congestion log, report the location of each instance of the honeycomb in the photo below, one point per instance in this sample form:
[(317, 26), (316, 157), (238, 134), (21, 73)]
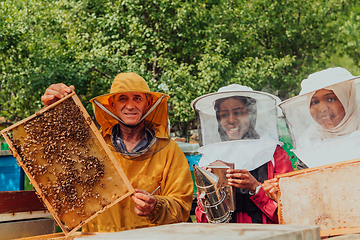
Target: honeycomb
[(68, 162), (327, 196)]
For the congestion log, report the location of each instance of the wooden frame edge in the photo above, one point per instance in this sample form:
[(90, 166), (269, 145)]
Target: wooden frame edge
[(308, 170)]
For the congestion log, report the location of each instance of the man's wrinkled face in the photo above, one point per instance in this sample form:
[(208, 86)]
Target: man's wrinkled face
[(130, 107), (326, 109), (234, 118)]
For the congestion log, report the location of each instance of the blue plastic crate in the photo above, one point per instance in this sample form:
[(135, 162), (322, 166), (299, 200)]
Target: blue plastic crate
[(11, 175), (193, 159)]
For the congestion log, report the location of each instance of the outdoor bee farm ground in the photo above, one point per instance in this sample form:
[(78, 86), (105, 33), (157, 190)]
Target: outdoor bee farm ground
[(68, 162)]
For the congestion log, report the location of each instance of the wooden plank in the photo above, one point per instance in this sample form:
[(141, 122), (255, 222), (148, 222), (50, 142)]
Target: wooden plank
[(58, 236), (308, 170), (231, 231), (327, 196), (68, 163), (7, 217), (20, 201), (26, 228), (5, 153)]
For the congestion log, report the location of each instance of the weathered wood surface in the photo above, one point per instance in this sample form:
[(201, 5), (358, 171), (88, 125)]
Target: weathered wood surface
[(327, 196), (26, 228), (20, 201), (208, 231)]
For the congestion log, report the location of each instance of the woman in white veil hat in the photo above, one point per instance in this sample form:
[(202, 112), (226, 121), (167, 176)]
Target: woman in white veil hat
[(239, 126), (334, 108), (328, 109)]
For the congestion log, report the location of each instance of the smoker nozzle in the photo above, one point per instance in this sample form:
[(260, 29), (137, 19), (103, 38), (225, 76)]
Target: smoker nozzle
[(204, 178)]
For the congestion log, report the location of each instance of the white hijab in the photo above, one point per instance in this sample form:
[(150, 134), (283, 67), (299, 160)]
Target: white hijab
[(346, 93)]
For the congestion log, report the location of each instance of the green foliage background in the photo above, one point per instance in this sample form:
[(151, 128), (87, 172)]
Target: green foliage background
[(183, 48)]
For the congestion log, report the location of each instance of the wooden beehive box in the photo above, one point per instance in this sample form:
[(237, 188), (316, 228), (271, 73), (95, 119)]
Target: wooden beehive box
[(68, 162), (326, 196)]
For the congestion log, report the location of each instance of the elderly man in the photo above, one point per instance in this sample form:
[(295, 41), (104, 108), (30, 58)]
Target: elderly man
[(134, 122)]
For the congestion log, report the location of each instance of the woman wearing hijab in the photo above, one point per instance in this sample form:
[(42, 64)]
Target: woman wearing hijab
[(236, 117), (328, 111), (334, 109)]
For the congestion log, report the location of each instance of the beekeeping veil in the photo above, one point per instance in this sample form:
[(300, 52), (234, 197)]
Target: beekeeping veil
[(314, 144), (155, 118), (257, 144)]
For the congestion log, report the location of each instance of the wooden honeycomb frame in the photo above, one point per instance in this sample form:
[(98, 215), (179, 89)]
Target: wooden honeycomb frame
[(326, 196), (68, 163)]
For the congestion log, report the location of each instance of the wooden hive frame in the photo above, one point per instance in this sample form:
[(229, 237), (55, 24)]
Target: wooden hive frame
[(336, 190), (68, 163)]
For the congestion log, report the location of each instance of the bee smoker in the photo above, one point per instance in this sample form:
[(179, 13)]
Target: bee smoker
[(211, 196)]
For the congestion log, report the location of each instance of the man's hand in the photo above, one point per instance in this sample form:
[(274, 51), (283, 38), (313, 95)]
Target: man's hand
[(271, 188), (241, 178), (144, 202), (56, 92)]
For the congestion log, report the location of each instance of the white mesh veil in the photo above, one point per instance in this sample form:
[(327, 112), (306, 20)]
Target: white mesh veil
[(237, 125), (323, 119)]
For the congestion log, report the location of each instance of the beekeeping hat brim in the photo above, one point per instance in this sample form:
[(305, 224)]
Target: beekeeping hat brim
[(325, 78)]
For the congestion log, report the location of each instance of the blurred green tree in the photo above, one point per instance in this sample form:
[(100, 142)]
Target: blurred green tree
[(183, 48)]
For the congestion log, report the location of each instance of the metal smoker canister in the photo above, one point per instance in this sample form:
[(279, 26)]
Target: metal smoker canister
[(211, 196)]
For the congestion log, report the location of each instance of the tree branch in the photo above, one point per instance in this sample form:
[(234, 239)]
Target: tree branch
[(103, 74)]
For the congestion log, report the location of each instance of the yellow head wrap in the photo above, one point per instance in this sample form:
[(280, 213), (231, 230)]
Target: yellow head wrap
[(132, 82)]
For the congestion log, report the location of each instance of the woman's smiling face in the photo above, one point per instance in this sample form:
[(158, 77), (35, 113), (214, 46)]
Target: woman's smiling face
[(326, 109), (234, 118)]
